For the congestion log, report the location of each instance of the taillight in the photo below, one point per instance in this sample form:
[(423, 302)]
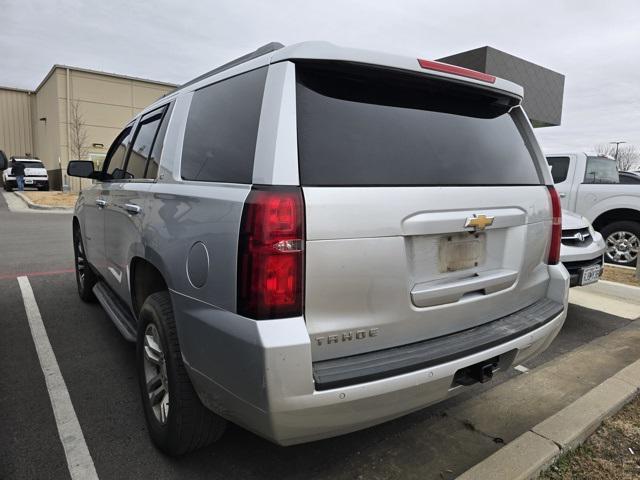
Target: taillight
[(271, 253), (556, 227), (456, 70)]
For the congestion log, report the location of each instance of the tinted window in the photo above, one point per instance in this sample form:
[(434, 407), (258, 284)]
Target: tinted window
[(31, 164), (222, 128), (559, 168), (629, 178), (116, 155), (370, 126), (601, 170), (156, 151), (143, 143)]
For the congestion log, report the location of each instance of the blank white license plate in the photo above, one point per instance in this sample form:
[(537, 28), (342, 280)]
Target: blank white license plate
[(590, 275), (461, 251), (28, 181)]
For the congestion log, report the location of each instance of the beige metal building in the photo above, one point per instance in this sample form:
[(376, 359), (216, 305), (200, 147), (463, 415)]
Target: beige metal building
[(37, 122)]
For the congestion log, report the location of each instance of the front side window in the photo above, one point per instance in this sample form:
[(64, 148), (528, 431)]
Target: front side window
[(559, 168), (222, 129), (117, 154), (601, 170)]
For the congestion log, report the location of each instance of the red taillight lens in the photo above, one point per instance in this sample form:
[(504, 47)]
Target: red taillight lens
[(556, 227), (271, 253), (456, 70)]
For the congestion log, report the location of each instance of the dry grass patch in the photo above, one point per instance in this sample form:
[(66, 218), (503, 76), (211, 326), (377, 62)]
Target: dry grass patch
[(52, 199), (613, 451), (621, 275)]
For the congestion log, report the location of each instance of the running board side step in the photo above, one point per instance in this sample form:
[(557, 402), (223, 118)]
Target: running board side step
[(117, 312)]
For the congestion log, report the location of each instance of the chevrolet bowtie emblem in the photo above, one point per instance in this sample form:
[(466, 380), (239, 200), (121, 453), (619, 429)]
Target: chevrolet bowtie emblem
[(479, 222)]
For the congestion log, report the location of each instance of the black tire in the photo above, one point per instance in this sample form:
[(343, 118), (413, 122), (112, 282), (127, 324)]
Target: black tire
[(85, 276), (613, 232), (188, 425)]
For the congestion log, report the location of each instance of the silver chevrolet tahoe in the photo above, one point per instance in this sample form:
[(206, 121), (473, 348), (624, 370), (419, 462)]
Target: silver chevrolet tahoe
[(311, 240)]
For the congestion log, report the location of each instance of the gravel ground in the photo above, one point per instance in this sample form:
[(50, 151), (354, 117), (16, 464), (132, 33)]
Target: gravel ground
[(613, 451), (53, 199), (622, 275)]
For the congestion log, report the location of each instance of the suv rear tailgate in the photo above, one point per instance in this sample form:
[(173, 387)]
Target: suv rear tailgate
[(426, 213)]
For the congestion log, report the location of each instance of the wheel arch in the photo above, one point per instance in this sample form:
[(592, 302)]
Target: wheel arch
[(145, 279), (616, 215)]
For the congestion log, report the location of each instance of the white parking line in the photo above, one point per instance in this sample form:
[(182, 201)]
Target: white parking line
[(521, 369), (79, 459)]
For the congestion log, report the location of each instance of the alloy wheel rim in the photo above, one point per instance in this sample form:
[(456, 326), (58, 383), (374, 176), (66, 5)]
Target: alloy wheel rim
[(81, 262), (155, 374), (622, 247)]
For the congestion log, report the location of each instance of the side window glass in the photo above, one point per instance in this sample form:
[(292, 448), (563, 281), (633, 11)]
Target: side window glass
[(143, 144), (222, 128), (559, 168), (116, 155), (601, 170), (156, 150)]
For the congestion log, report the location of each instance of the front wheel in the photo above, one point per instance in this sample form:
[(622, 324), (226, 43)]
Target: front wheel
[(85, 277), (176, 419), (622, 242)]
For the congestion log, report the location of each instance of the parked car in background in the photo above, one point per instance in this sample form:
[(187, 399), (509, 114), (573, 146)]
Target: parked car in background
[(582, 249), (590, 186), (630, 177), (35, 175), (272, 238)]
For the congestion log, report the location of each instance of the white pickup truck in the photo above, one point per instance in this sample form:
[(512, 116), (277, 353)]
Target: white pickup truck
[(590, 185)]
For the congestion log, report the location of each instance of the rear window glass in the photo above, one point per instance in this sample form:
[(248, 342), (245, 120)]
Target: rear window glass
[(559, 168), (222, 129), (601, 170), (371, 126)]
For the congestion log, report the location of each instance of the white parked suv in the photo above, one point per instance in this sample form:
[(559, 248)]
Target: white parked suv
[(582, 249), (35, 175), (312, 240)]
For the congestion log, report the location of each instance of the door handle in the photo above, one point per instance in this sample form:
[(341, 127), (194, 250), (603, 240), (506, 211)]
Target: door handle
[(132, 208), (101, 203), (562, 195)]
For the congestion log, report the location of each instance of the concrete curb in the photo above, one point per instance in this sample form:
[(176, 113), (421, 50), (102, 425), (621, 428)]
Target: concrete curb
[(533, 451), (35, 206), (615, 289)]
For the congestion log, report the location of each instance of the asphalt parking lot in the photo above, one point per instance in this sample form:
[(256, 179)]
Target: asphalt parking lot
[(97, 365)]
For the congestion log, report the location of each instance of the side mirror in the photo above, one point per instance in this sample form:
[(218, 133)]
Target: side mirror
[(80, 168), (4, 163)]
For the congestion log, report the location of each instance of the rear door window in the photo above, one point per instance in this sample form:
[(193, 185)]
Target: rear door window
[(601, 170), (222, 129), (143, 143), (559, 168), (371, 126)]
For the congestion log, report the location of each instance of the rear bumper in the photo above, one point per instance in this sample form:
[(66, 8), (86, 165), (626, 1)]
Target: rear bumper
[(28, 182), (260, 374)]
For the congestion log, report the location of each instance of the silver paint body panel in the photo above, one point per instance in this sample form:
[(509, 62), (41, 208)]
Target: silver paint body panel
[(367, 250)]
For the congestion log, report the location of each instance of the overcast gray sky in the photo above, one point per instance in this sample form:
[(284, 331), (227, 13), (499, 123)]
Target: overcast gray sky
[(596, 44)]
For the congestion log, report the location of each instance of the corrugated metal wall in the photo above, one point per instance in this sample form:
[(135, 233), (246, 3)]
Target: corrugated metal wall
[(15, 122)]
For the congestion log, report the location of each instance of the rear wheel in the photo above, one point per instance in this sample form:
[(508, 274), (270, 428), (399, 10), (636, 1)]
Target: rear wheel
[(85, 277), (176, 419), (623, 242)]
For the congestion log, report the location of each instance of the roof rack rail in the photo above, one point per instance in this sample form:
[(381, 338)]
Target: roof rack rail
[(263, 50)]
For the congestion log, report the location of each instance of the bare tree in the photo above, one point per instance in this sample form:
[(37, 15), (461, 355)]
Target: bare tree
[(78, 131), (628, 155)]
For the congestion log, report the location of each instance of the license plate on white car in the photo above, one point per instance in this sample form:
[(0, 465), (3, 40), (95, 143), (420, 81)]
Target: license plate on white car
[(590, 274), (28, 181)]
